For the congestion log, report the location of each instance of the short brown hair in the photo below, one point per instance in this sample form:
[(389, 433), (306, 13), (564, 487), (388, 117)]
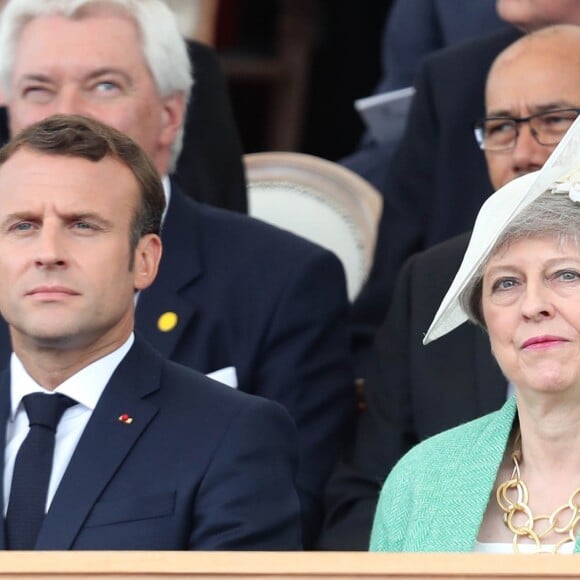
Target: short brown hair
[(77, 136)]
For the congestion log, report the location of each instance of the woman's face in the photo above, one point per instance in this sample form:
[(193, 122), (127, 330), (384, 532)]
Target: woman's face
[(531, 306)]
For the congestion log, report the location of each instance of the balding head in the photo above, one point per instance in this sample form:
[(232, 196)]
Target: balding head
[(539, 72), (531, 15), (558, 39)]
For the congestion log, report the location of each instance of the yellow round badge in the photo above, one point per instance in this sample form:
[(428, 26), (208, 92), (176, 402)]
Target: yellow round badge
[(167, 321)]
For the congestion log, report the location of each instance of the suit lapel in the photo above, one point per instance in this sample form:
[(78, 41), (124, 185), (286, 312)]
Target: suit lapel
[(162, 313), (103, 446)]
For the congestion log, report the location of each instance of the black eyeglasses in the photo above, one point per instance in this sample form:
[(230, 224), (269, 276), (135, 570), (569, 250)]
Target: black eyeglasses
[(501, 133)]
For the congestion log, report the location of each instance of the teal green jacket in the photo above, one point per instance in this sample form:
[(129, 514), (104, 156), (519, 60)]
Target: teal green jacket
[(435, 497)]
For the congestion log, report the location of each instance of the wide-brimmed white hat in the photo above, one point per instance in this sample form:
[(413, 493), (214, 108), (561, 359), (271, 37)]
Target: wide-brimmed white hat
[(560, 172)]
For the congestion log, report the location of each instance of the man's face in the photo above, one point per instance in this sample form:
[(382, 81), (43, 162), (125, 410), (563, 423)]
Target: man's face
[(93, 67), (65, 280), (538, 78), (533, 14)]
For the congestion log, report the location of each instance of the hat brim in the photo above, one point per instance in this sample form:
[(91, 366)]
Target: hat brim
[(494, 216)]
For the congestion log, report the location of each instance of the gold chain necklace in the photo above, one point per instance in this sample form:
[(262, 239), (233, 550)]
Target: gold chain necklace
[(563, 520)]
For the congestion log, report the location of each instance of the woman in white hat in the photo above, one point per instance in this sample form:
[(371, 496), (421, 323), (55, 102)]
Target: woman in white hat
[(509, 481)]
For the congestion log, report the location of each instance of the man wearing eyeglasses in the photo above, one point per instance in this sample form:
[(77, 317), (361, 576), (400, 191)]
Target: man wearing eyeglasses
[(517, 136), (415, 391)]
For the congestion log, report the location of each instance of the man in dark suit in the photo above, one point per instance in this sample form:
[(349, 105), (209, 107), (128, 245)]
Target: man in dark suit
[(147, 455), (262, 309), (414, 29), (437, 179), (415, 391)]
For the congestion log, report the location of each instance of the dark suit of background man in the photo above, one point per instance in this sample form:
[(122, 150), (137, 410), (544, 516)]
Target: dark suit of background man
[(415, 391), (263, 307), (414, 29), (210, 166), (166, 459)]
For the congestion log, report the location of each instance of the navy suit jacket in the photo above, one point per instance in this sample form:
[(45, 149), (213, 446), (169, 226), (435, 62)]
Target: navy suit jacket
[(437, 179), (210, 167), (412, 391), (270, 304), (194, 470), (415, 28)]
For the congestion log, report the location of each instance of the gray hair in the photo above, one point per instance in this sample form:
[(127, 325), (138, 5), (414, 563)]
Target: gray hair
[(164, 48), (552, 215)]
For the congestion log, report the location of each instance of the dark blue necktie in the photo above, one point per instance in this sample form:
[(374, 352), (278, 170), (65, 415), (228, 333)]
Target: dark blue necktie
[(32, 470)]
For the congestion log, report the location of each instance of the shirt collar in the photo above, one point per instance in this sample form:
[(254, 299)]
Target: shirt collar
[(166, 182), (86, 386)]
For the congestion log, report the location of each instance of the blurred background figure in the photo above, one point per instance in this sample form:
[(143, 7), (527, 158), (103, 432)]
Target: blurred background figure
[(293, 67), (413, 29)]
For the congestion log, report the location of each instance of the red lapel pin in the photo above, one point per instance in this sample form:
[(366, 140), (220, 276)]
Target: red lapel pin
[(127, 419)]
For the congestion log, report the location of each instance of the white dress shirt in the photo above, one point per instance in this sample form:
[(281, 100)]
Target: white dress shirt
[(85, 387), (508, 548), (166, 182)]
